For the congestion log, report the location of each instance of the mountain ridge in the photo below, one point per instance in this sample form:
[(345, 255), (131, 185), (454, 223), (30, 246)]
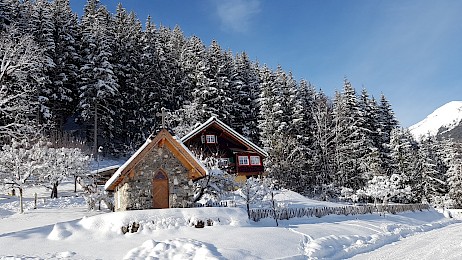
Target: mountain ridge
[(445, 121)]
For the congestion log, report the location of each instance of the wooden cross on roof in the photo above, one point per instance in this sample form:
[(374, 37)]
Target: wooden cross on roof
[(163, 114)]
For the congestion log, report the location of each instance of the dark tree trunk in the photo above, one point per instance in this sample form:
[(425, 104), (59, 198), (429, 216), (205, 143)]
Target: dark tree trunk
[(54, 191), (75, 184), (21, 207), (248, 209)]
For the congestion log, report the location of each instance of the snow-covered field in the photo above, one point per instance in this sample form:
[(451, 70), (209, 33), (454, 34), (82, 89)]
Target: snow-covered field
[(63, 229)]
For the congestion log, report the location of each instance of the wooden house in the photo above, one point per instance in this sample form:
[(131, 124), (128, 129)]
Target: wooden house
[(159, 175), (237, 154)]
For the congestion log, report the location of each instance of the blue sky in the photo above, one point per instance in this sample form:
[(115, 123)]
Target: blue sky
[(410, 50)]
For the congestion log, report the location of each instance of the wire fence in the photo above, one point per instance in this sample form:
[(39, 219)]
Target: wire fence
[(288, 213)]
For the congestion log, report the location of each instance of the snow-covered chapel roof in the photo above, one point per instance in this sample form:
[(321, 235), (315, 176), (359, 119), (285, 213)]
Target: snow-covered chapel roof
[(226, 128), (172, 143)]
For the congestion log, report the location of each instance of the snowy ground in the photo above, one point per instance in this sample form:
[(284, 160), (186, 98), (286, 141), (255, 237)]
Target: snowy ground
[(64, 229), (443, 243)]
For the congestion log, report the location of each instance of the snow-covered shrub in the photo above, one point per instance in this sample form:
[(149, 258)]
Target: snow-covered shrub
[(216, 185), (95, 194), (384, 188)]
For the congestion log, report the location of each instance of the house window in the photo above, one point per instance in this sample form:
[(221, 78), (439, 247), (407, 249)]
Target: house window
[(243, 160), (223, 162), (255, 160), (211, 139)]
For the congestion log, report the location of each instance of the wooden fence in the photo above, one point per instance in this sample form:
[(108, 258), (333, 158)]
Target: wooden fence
[(288, 213), (211, 204)]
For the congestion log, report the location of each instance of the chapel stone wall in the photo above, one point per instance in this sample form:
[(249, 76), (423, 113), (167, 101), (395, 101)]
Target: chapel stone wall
[(136, 191)]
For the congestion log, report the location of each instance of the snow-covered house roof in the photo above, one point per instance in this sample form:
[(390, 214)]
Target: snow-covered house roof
[(229, 130), (105, 169), (163, 138), (104, 174)]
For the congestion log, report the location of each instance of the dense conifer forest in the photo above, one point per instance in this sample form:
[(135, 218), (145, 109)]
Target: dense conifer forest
[(100, 79)]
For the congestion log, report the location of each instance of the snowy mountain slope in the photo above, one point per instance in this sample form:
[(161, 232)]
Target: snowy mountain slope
[(443, 120)]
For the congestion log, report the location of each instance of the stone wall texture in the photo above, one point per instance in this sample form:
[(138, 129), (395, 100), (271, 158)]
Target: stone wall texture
[(135, 192)]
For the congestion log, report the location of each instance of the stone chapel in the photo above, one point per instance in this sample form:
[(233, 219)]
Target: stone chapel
[(161, 173)]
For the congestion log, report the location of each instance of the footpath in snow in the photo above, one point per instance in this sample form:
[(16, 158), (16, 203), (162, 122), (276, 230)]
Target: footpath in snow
[(444, 243)]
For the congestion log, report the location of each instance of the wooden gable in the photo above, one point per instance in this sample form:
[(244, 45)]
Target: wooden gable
[(163, 139), (220, 129), (230, 147)]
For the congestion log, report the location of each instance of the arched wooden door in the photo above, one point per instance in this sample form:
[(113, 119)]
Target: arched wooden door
[(160, 191)]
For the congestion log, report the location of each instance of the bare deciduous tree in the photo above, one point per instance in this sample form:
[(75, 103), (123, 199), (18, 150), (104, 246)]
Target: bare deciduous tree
[(20, 59)]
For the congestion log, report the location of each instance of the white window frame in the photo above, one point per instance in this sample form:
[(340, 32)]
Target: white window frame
[(223, 162), (246, 162), (210, 139), (255, 160)]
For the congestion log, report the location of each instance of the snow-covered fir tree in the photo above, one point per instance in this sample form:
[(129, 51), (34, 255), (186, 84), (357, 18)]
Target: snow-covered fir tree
[(98, 84), (431, 179), (453, 159), (349, 139), (386, 123), (245, 81), (64, 75), (303, 131), (42, 27), (126, 58)]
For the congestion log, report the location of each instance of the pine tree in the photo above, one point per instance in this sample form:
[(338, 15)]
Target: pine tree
[(453, 159), (277, 128), (192, 62), (6, 13), (284, 88), (368, 124), (267, 117), (42, 28), (212, 89), (170, 76), (141, 119), (304, 130), (349, 139), (403, 152), (98, 83), (289, 154), (386, 123), (432, 182), (17, 14), (244, 86), (64, 75), (127, 61)]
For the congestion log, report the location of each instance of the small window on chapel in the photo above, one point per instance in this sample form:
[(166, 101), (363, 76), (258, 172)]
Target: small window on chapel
[(211, 139), (243, 160)]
